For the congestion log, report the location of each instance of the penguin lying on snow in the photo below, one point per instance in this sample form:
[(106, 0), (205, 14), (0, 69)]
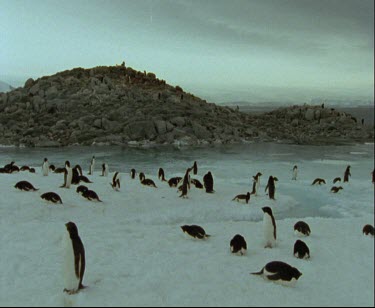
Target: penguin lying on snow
[(52, 197), (302, 229), (280, 272), (195, 231), (26, 186), (301, 250)]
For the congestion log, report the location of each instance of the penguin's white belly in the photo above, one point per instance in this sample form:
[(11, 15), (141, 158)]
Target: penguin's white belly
[(45, 168), (69, 178), (268, 231), (71, 282)]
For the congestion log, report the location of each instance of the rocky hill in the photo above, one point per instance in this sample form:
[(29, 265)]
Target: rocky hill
[(119, 105)]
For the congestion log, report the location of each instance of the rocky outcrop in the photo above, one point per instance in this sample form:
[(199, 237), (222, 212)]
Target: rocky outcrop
[(119, 105)]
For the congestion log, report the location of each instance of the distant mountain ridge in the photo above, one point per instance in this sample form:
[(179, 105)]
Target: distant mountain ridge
[(4, 87), (119, 105)]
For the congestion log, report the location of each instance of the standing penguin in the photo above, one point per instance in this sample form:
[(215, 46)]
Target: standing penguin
[(295, 171), (347, 174), (92, 166), (185, 184), (74, 260), (105, 169), (257, 182), (271, 187), (132, 173), (68, 175), (45, 167), (161, 175), (116, 181), (208, 182), (269, 228), (195, 168)]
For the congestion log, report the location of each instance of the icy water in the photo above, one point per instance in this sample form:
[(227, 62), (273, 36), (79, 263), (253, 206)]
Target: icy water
[(233, 167)]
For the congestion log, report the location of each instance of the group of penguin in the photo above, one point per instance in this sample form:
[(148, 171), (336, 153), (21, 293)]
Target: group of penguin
[(275, 271)]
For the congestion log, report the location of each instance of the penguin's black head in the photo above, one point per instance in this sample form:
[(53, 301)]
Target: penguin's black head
[(67, 164), (267, 210), (72, 229), (296, 273), (45, 159)]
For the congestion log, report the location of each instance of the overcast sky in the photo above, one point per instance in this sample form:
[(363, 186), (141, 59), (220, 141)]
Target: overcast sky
[(266, 50)]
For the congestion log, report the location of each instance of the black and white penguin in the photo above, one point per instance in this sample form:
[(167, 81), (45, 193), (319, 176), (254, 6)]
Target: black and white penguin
[(254, 190), (52, 168), (25, 168), (269, 228), (45, 167), (11, 168), (92, 166), (105, 169), (257, 181), (196, 183), (116, 181), (173, 182), (301, 228), (161, 175), (185, 185), (76, 173), (242, 197), (195, 231), (52, 197), (347, 174), (208, 182), (141, 176), (148, 182), (368, 230), (280, 272), (81, 189), (318, 181), (238, 245), (301, 250), (132, 173), (74, 260), (195, 168), (336, 189), (90, 195), (68, 175), (337, 179), (295, 172), (32, 170), (25, 186), (271, 187)]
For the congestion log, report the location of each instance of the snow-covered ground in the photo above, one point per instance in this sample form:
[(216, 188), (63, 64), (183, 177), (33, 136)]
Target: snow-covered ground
[(137, 255)]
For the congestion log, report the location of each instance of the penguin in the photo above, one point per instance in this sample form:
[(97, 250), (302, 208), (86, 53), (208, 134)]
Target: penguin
[(132, 174), (45, 167), (161, 175), (195, 231), (245, 198), (81, 189), (196, 183), (173, 182), (257, 181), (84, 179), (318, 181), (105, 169), (116, 181), (185, 185), (269, 228), (368, 230), (347, 174), (68, 175), (301, 228), (92, 166), (25, 168), (335, 180), (208, 182), (76, 175), (254, 191), (195, 168), (26, 186), (141, 176), (32, 170), (271, 187), (51, 196), (336, 189), (148, 182), (52, 168), (90, 195), (295, 171), (280, 272), (74, 260), (238, 245), (301, 250), (11, 168)]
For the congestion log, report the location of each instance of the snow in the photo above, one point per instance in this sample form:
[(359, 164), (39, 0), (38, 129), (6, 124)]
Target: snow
[(137, 255)]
